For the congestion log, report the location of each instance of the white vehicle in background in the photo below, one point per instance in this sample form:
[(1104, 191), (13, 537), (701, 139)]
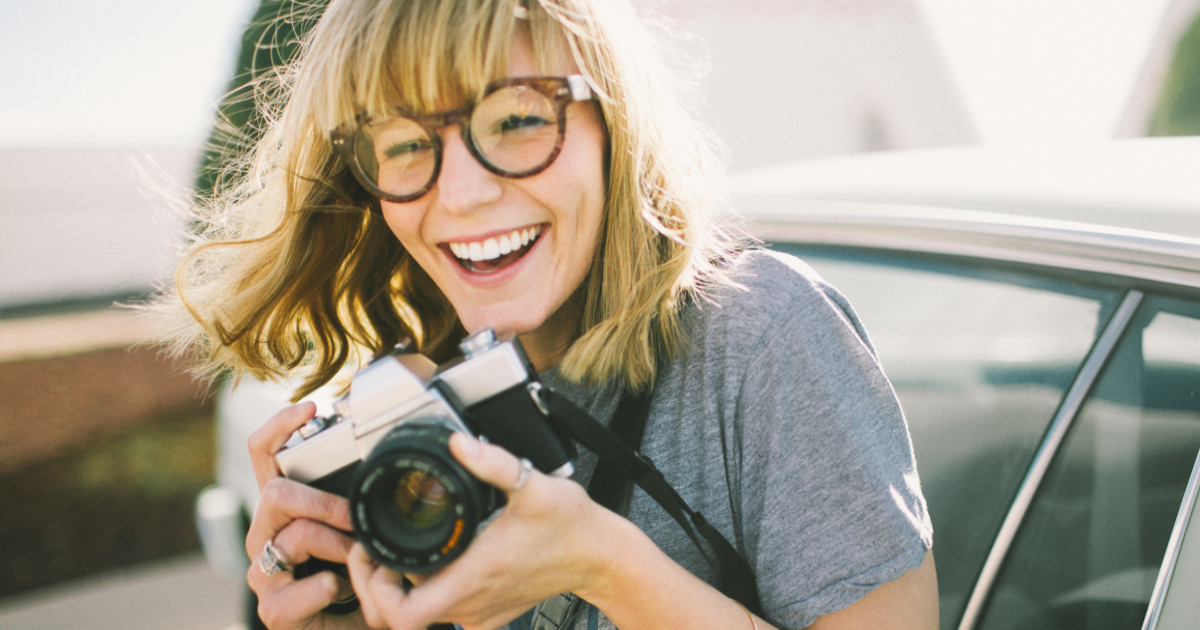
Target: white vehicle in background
[(1038, 312)]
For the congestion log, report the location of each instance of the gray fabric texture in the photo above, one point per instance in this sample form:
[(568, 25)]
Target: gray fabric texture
[(778, 424)]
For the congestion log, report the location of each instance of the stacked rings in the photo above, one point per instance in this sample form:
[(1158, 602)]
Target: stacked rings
[(271, 561)]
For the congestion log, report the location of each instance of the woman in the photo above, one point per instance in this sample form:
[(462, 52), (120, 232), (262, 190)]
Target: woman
[(416, 184)]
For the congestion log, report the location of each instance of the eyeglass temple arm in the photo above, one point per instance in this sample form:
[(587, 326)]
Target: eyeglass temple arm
[(580, 90)]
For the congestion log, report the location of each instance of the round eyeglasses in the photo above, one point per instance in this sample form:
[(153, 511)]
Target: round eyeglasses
[(515, 130)]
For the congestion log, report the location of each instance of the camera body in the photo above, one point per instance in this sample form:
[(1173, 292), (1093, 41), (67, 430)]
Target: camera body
[(386, 449)]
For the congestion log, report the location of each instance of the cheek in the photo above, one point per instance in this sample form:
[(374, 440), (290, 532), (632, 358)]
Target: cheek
[(592, 166), (592, 226), (403, 223)]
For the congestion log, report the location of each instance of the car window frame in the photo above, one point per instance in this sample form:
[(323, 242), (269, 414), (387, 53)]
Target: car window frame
[(1184, 543), (1064, 418)]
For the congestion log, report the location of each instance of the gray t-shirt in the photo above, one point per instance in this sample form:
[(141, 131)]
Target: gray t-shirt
[(778, 424)]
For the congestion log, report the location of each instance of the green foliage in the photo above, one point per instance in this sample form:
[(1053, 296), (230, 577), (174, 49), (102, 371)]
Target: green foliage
[(270, 42), (155, 461), (1178, 110)]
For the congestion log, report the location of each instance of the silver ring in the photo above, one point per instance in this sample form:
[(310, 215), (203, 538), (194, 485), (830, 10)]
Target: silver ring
[(523, 476), (271, 561)]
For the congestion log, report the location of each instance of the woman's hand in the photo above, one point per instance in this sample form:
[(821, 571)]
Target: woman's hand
[(303, 523), (551, 538)]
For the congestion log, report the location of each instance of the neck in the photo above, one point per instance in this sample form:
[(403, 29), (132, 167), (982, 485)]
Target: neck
[(547, 345)]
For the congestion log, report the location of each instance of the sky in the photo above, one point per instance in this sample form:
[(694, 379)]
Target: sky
[(149, 72), (114, 72)]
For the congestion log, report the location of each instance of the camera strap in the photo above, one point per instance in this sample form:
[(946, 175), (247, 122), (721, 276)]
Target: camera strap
[(617, 455), (610, 486)]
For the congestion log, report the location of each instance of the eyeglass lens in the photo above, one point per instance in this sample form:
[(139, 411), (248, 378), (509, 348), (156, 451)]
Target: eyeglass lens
[(515, 129)]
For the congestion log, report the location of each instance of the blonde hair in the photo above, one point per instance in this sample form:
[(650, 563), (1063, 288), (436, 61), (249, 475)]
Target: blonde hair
[(293, 267)]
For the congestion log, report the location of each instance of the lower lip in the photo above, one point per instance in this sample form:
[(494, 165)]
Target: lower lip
[(500, 275)]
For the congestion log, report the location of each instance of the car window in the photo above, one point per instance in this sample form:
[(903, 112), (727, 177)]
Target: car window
[(1180, 606), (980, 360), (1089, 550)]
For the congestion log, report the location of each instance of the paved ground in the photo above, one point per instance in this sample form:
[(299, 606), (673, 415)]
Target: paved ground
[(178, 594), (71, 333)]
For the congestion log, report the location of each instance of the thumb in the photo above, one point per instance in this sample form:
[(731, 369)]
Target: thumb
[(488, 462)]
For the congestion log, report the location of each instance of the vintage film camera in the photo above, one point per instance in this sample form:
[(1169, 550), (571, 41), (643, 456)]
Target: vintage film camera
[(386, 449)]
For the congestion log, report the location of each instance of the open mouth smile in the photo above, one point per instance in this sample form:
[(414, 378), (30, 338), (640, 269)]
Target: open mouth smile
[(493, 254)]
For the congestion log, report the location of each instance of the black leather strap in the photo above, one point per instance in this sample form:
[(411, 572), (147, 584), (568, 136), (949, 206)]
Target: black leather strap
[(609, 485), (734, 577)]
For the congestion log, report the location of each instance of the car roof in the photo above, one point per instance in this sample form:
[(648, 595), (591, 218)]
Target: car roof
[(975, 208), (1150, 184)]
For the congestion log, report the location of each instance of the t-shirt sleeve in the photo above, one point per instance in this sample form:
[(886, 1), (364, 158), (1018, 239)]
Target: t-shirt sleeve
[(829, 497)]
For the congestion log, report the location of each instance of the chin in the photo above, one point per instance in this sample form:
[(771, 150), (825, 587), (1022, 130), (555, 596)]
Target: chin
[(503, 324)]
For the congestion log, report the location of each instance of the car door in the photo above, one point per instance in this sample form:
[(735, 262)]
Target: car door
[(1055, 421), (1089, 548)]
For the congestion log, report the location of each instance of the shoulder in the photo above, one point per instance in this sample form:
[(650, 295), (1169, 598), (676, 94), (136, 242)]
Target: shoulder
[(775, 295), (777, 336), (761, 271)]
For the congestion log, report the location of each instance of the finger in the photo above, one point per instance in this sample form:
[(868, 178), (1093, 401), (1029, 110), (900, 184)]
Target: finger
[(416, 579), (399, 611), (305, 539), (387, 603), (361, 568), (284, 501), (430, 601), (271, 436), (381, 592), (488, 462), (280, 604)]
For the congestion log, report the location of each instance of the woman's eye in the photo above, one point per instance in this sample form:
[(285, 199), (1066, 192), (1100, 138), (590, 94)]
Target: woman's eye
[(516, 123), (403, 149)]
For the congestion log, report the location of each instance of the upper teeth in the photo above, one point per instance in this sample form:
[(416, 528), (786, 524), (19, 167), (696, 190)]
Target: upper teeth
[(495, 247)]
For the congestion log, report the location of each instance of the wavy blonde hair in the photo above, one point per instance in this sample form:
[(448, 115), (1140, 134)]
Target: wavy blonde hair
[(293, 269)]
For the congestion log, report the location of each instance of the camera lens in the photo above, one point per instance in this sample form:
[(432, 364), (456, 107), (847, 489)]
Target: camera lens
[(414, 507), (421, 498)]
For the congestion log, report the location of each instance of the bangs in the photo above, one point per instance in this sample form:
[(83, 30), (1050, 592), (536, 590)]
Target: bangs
[(436, 56), (425, 56)]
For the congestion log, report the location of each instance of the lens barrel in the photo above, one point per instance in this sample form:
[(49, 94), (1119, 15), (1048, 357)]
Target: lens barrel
[(413, 506)]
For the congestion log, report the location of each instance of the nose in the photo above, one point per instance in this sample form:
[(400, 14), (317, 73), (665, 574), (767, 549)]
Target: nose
[(463, 184)]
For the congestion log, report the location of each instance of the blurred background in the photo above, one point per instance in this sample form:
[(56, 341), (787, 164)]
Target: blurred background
[(106, 105)]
